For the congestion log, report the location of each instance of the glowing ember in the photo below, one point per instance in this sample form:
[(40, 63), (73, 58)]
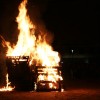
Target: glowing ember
[(8, 87), (33, 44), (51, 75)]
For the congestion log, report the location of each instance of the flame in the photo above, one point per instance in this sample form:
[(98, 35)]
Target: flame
[(33, 44), (51, 75), (29, 44), (8, 86), (26, 39)]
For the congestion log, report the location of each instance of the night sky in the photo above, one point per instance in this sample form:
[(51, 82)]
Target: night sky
[(74, 23)]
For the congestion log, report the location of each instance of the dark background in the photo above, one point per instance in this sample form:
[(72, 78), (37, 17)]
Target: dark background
[(74, 25)]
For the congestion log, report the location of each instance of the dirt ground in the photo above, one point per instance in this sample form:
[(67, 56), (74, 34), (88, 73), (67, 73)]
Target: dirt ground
[(71, 94)]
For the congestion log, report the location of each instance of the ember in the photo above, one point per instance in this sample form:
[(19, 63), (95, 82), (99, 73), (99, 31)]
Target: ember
[(35, 46)]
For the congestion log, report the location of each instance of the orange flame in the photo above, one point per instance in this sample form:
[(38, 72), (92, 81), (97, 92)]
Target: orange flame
[(31, 45), (34, 45)]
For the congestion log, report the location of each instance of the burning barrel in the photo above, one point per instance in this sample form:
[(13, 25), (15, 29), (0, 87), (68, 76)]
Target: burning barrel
[(20, 74)]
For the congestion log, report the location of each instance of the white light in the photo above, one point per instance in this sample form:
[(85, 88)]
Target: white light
[(72, 50)]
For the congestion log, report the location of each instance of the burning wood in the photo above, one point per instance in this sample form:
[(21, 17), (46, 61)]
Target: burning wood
[(36, 47), (48, 78)]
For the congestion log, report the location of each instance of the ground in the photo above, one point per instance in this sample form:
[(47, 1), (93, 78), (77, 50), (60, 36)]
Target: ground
[(70, 94)]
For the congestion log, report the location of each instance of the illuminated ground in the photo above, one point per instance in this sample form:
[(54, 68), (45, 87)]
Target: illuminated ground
[(71, 94)]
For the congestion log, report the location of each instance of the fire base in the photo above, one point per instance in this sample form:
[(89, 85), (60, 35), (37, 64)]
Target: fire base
[(26, 78), (19, 72), (46, 84)]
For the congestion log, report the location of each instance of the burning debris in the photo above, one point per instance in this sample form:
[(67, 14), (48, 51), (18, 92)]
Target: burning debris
[(48, 78), (8, 86), (33, 50)]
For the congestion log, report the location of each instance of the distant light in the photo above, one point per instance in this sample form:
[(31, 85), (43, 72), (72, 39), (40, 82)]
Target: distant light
[(62, 62), (72, 50)]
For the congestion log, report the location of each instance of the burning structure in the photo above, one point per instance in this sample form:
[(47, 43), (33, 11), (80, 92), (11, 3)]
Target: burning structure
[(38, 78), (48, 81), (32, 56), (20, 74)]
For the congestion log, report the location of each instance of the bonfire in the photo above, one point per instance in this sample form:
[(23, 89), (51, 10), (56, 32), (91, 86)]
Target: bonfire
[(34, 45)]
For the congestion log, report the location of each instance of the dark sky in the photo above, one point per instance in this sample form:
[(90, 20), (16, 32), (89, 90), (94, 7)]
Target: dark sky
[(74, 23)]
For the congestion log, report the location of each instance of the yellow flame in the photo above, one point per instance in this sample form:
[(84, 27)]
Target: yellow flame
[(33, 44), (29, 44), (26, 38)]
